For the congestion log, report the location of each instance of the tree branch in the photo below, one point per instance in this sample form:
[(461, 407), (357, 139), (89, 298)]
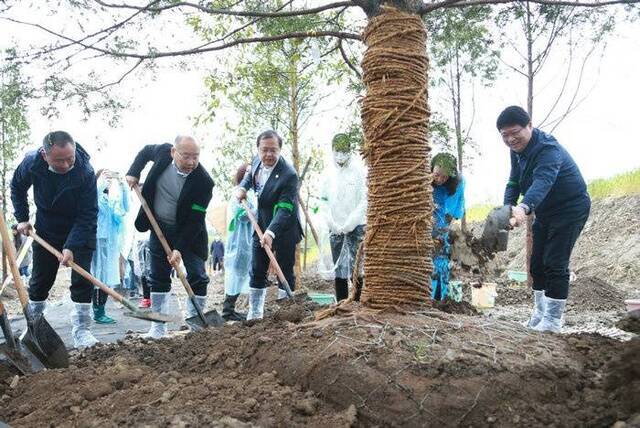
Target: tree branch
[(187, 52), (347, 61), (429, 7), (244, 13)]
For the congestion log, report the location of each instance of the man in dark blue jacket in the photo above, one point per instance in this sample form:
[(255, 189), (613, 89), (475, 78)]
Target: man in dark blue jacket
[(178, 190), (544, 173), (64, 190), (275, 183)]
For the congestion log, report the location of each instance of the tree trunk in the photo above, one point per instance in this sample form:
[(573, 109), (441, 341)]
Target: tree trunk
[(4, 190), (530, 77), (293, 136), (395, 117), (458, 124)]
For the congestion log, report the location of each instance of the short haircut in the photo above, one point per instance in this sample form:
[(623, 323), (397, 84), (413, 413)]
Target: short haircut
[(181, 137), (269, 134), (513, 115), (56, 138)]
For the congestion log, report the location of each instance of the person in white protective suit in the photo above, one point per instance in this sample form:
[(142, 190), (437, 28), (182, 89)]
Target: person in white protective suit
[(344, 196)]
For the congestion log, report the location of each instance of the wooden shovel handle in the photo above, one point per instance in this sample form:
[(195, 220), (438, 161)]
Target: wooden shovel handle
[(95, 281), (15, 271), (256, 227), (21, 255), (162, 239)]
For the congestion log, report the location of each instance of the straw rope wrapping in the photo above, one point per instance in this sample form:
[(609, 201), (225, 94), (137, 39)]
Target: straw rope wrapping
[(395, 115)]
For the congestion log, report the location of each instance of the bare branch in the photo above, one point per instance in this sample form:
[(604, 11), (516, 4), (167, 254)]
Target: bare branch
[(347, 61), (428, 7), (187, 52), (245, 13)]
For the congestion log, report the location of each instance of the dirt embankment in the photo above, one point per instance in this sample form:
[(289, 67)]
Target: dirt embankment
[(425, 368)]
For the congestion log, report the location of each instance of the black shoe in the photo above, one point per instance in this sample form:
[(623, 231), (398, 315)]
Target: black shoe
[(342, 288), (229, 309)]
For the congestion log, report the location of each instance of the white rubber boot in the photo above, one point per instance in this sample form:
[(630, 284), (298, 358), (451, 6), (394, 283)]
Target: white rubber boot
[(552, 319), (538, 308), (81, 321), (158, 304), (257, 297)]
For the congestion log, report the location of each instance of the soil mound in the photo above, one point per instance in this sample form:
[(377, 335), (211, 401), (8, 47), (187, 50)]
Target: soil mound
[(630, 323), (585, 294), (425, 368)]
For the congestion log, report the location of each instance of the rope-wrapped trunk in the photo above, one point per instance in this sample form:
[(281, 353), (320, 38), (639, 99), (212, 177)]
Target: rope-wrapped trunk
[(395, 115)]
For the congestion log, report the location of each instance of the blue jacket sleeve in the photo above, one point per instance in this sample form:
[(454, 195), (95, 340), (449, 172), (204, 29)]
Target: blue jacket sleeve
[(20, 184), (247, 180), (287, 202), (454, 205), (84, 228), (512, 190), (545, 173)]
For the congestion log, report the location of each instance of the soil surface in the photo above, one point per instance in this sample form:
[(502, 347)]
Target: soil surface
[(424, 368)]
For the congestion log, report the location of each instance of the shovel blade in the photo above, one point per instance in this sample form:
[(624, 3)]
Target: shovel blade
[(20, 358), (43, 341), (212, 318), (152, 316), (5, 325)]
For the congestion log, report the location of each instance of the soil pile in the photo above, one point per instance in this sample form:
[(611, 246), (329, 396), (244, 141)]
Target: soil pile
[(368, 368), (585, 294), (609, 246), (630, 323)]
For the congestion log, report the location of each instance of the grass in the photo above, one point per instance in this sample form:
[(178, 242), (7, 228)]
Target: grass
[(625, 184)]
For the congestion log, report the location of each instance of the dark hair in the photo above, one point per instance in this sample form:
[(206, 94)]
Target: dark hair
[(513, 115), (240, 172), (56, 138), (269, 134)]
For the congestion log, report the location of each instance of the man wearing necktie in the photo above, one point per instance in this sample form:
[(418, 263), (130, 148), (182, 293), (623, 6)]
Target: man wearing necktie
[(275, 183)]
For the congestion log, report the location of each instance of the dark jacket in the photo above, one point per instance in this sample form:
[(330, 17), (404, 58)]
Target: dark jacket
[(192, 203), (66, 204), (278, 202), (548, 178), (217, 249)]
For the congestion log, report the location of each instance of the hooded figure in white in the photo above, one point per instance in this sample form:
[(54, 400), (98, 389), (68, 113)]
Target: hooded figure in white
[(344, 197)]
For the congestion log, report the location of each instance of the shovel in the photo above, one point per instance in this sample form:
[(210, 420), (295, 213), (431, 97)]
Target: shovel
[(256, 227), (202, 320), (40, 338), (21, 255), (135, 311), (15, 354)]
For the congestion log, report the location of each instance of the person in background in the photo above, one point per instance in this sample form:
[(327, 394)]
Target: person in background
[(344, 196), (217, 254), (113, 205), (237, 261), (18, 241), (448, 200), (552, 188)]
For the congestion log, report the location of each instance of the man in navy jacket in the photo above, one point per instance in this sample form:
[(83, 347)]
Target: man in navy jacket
[(551, 185), (178, 190), (276, 185), (65, 195)]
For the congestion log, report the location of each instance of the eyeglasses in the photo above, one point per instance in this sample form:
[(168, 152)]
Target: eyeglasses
[(189, 156), (269, 150)]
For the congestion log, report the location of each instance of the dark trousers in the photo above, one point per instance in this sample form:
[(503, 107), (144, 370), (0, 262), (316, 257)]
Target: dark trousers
[(146, 288), (553, 241), (284, 248), (99, 297), (160, 276), (45, 270)]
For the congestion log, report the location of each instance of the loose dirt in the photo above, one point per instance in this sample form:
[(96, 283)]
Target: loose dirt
[(425, 368)]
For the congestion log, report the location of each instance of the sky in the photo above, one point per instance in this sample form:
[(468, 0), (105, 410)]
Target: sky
[(599, 134)]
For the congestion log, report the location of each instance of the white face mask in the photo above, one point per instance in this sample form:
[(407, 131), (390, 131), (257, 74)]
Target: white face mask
[(341, 158)]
